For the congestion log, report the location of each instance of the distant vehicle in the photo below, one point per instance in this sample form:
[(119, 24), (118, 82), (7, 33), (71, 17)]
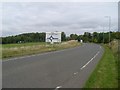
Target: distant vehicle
[(80, 40)]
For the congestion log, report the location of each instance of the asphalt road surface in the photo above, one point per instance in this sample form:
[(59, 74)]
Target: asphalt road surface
[(69, 68)]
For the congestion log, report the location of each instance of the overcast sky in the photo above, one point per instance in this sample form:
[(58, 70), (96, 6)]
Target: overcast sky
[(69, 17)]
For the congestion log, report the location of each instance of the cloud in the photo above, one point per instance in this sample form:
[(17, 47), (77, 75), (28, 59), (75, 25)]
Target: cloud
[(51, 16)]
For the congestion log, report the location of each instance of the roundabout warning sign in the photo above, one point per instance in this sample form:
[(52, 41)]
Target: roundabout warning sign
[(53, 37)]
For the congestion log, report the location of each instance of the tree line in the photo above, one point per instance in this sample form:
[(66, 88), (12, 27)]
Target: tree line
[(28, 37), (40, 37), (96, 37)]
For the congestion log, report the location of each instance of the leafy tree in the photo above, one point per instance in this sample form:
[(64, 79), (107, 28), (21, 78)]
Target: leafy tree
[(73, 36), (63, 36)]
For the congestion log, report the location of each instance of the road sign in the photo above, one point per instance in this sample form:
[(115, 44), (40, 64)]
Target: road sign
[(53, 37)]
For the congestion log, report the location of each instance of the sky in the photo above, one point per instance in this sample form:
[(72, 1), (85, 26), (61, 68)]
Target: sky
[(68, 17)]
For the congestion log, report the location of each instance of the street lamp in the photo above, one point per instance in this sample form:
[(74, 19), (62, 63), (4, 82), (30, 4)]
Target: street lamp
[(109, 17)]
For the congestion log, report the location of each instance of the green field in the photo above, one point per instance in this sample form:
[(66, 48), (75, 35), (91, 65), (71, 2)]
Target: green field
[(105, 74), (15, 50)]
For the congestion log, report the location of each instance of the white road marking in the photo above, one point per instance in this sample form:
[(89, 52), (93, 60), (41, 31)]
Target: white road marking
[(75, 73), (58, 87), (90, 60)]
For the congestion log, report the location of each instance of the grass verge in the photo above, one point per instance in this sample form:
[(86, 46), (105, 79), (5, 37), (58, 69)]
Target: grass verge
[(15, 50), (105, 74)]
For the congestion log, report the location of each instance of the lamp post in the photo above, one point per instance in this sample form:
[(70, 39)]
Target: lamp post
[(109, 17)]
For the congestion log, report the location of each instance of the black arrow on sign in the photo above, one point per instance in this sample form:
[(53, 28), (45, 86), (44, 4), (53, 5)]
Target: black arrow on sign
[(51, 38)]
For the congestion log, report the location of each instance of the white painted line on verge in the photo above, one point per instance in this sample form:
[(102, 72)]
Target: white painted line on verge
[(58, 87), (90, 60), (26, 57), (16, 58)]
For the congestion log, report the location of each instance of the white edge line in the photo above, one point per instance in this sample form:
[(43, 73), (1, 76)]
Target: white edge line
[(90, 60), (58, 87)]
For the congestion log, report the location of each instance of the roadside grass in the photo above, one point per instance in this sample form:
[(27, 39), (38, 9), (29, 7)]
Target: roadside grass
[(105, 74), (22, 44), (15, 50), (116, 51), (0, 51)]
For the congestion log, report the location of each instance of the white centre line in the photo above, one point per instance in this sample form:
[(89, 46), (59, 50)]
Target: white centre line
[(90, 60)]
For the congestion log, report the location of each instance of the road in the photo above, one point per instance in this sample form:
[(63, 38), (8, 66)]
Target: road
[(69, 68)]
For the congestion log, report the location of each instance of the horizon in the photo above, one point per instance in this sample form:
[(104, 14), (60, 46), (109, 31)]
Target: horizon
[(54, 31)]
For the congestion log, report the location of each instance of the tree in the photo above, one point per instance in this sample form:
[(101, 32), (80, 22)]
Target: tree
[(87, 37), (73, 36), (95, 37), (63, 36)]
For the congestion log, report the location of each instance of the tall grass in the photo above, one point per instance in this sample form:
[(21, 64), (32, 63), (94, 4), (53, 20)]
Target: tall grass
[(14, 50), (116, 51)]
